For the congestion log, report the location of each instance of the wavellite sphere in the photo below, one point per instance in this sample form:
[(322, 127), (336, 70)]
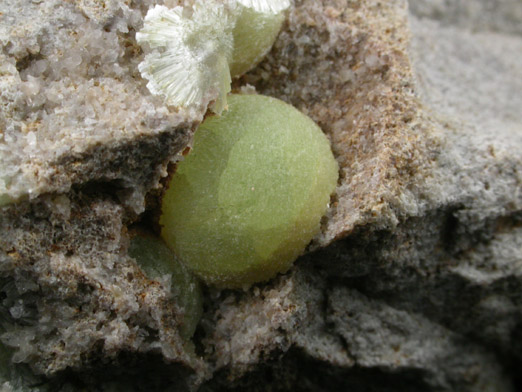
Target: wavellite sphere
[(157, 260), (254, 34), (249, 197)]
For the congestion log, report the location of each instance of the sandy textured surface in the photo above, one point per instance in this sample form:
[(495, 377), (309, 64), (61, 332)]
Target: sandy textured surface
[(415, 282)]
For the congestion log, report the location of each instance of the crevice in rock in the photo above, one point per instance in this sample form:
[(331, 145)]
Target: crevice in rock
[(296, 371), (26, 61)]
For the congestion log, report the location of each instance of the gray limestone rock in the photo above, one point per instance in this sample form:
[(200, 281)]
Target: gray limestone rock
[(413, 284)]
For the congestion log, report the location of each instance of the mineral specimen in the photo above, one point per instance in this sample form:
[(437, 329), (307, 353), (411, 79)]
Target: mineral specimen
[(158, 261), (196, 49), (251, 194)]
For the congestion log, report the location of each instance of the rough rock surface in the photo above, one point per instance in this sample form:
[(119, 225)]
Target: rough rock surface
[(415, 282), (74, 108)]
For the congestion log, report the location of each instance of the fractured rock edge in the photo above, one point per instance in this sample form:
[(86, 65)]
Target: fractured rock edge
[(351, 72), (315, 321), (432, 216)]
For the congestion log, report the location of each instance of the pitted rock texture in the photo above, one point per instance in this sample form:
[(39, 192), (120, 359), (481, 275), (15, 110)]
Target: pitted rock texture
[(346, 65), (74, 290), (415, 282), (74, 107)]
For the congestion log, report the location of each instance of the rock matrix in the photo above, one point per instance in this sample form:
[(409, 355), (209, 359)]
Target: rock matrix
[(413, 284)]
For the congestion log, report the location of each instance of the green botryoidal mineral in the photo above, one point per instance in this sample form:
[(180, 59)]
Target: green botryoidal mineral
[(195, 49), (254, 33), (157, 260), (249, 197)]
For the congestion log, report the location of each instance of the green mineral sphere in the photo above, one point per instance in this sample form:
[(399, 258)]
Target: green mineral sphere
[(4, 200), (157, 260), (254, 34), (249, 197)]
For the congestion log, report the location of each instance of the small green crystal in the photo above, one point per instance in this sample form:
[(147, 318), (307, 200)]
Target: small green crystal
[(254, 34), (157, 260), (193, 50), (5, 200), (249, 197)]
